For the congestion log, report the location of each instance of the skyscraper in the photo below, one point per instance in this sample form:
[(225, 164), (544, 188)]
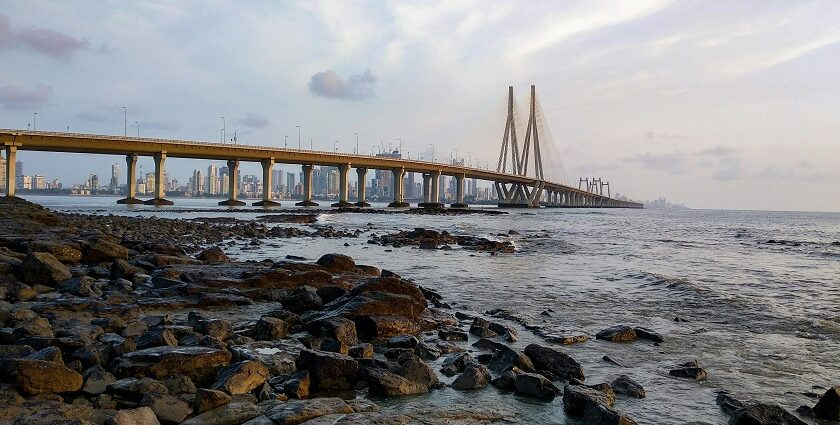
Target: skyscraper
[(18, 168), (290, 184), (212, 187), (115, 177), (197, 188)]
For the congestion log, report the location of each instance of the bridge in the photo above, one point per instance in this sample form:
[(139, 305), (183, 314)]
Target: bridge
[(514, 189)]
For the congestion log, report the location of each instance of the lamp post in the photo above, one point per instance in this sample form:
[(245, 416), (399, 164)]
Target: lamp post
[(125, 122), (34, 117), (357, 143), (335, 146), (138, 129), (310, 144), (234, 136), (285, 142), (298, 127), (223, 129)]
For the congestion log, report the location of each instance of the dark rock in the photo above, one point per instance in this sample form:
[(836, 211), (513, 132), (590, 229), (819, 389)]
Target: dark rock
[(300, 411), (329, 345), (96, 380), (650, 335), (271, 328), (690, 370), (402, 341), (213, 255), (535, 385), (302, 299), (763, 414), (384, 383), (626, 386), (618, 333), (338, 328), (121, 269), (829, 405), (236, 412), (297, 386), (179, 384), (217, 328), (508, 357), (199, 363), (156, 338), (140, 415), (361, 351), (330, 293), (416, 370), (337, 262), (84, 286), (475, 376), (135, 389), (481, 328), (554, 364), (102, 250), (592, 406), (328, 370), (455, 363), (242, 377), (452, 335), (728, 403), (506, 380), (167, 408), (209, 399), (43, 268)]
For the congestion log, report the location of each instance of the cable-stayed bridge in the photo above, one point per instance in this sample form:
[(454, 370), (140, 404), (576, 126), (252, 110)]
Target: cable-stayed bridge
[(521, 178)]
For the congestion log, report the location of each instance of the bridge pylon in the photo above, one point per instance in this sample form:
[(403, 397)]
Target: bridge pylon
[(520, 194)]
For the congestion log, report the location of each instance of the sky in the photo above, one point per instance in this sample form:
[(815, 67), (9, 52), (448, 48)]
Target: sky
[(730, 105)]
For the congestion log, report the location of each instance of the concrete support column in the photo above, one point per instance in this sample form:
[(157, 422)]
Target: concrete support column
[(434, 190), (307, 188), (11, 179), (361, 174), (343, 187), (427, 190), (268, 183), (160, 184), (233, 185), (130, 181), (459, 191), (399, 188)]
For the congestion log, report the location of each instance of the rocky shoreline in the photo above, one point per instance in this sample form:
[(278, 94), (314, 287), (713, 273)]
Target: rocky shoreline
[(120, 320)]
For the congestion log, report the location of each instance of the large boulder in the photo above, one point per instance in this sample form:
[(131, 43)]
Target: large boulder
[(168, 409), (242, 377), (337, 328), (618, 333), (65, 253), (209, 399), (271, 328), (416, 370), (475, 376), (763, 414), (829, 405), (136, 388), (554, 364), (626, 386), (592, 405), (40, 376), (43, 268), (328, 371), (103, 250), (455, 363), (535, 385), (337, 263), (506, 357), (139, 416), (229, 414), (298, 411), (199, 363), (384, 383), (213, 255)]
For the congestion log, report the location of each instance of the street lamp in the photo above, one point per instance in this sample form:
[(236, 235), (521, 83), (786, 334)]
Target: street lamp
[(310, 144), (234, 136), (125, 122), (357, 143), (285, 142), (138, 129), (223, 129), (34, 116), (335, 146), (298, 127)]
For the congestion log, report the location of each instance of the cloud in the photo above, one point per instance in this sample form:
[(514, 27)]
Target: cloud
[(18, 97), (673, 162), (719, 151), (253, 121), (330, 84), (802, 172), (42, 40), (654, 135), (730, 169)]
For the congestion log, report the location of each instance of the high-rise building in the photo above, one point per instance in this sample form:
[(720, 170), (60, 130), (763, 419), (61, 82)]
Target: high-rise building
[(332, 182), (2, 172), (290, 183), (93, 183), (150, 183), (115, 177), (197, 188), (277, 180), (212, 186), (40, 182), (18, 168)]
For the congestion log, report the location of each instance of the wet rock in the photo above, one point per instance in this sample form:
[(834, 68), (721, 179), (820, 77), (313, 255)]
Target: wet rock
[(690, 370), (122, 269), (270, 329), (199, 363), (43, 268), (300, 411), (481, 328), (328, 370), (506, 380), (338, 328), (508, 357), (50, 354), (337, 262), (609, 359), (475, 376), (650, 335), (330, 345), (84, 286), (455, 363), (592, 406), (626, 386), (535, 385), (179, 384), (402, 341), (9, 396), (416, 370), (216, 328), (167, 408), (728, 403), (15, 351), (242, 377), (213, 255), (618, 333), (763, 414), (138, 416), (135, 389), (828, 407), (209, 399), (229, 414), (384, 383), (297, 386), (452, 335), (62, 252), (156, 338), (566, 339), (102, 250), (302, 299), (361, 351), (40, 376), (330, 293), (96, 380), (554, 364)]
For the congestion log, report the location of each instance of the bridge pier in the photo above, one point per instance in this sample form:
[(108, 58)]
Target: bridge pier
[(233, 185), (267, 166), (431, 184), (11, 181), (343, 186), (459, 192), (361, 174), (399, 201), (160, 184), (307, 188), (130, 182)]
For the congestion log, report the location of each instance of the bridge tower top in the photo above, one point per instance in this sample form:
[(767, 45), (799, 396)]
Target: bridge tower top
[(510, 153)]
